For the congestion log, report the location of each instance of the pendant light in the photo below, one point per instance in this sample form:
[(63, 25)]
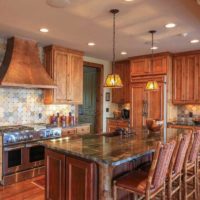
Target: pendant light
[(113, 80), (152, 85)]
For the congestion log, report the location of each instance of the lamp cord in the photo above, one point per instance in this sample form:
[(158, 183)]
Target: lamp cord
[(113, 63)]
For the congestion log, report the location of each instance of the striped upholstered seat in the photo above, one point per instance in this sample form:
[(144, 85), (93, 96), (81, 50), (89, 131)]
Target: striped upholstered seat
[(175, 171), (190, 168), (148, 185)]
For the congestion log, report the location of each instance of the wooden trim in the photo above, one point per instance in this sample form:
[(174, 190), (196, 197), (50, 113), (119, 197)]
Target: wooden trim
[(186, 53), (56, 47), (149, 55), (99, 101)]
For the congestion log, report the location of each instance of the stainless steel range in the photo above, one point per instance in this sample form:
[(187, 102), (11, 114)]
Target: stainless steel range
[(22, 156)]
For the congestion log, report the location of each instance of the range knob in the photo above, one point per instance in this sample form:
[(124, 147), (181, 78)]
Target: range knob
[(30, 136)]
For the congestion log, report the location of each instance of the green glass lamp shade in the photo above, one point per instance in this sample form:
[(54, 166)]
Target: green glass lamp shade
[(113, 81)]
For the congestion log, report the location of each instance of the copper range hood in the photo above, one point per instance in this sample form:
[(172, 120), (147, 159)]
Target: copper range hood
[(21, 66)]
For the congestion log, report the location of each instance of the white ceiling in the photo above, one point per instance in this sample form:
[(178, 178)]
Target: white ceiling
[(83, 21)]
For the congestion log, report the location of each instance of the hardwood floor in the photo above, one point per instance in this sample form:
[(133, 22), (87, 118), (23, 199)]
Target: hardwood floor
[(25, 190)]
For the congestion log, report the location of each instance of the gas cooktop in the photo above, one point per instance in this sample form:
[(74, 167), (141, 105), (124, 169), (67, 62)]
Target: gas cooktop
[(28, 133)]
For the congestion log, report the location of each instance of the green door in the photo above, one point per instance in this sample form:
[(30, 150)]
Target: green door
[(87, 111)]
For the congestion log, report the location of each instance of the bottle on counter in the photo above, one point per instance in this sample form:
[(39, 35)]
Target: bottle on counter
[(58, 119), (71, 119), (53, 120), (63, 121)]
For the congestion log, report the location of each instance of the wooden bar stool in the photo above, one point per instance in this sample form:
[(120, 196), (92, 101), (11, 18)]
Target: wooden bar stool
[(148, 185), (174, 182), (190, 168)]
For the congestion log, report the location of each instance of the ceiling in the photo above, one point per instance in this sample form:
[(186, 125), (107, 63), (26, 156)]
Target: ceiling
[(83, 21)]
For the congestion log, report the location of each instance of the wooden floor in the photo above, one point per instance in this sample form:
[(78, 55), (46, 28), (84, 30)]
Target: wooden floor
[(26, 190)]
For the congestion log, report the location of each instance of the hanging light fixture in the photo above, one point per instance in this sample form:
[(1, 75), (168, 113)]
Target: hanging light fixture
[(113, 80), (152, 85)]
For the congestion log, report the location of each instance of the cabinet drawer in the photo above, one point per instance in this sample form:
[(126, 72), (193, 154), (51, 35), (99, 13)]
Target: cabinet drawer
[(122, 124), (67, 132), (112, 122), (83, 130)]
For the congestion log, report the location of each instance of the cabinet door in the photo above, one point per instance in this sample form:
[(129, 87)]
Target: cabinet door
[(189, 77), (197, 82), (55, 175), (185, 75), (155, 103), (75, 79), (80, 184), (138, 96), (160, 65), (178, 80), (140, 67), (61, 61)]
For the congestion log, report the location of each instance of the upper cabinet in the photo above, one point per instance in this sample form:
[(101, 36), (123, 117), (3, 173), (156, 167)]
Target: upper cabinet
[(141, 66), (186, 78), (122, 95), (65, 66)]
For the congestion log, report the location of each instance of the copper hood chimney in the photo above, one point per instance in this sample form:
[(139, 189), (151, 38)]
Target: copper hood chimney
[(21, 66)]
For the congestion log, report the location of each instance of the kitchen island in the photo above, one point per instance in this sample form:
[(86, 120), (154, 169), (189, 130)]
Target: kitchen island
[(83, 167)]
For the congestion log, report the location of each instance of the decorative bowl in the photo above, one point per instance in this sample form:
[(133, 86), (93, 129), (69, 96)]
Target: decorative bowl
[(196, 121), (154, 125)]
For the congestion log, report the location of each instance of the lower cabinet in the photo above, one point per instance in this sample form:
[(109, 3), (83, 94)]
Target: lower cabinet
[(80, 179), (55, 175), (69, 178)]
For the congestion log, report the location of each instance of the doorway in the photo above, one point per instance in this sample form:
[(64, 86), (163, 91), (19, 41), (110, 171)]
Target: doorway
[(91, 111)]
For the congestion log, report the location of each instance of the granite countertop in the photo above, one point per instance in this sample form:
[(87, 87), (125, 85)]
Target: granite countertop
[(111, 151)]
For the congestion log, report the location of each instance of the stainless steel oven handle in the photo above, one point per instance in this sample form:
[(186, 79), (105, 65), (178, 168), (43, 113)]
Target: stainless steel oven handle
[(13, 148), (32, 145)]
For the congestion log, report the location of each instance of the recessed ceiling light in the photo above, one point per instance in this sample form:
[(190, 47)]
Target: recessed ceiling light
[(123, 53), (129, 0), (170, 25), (194, 41), (154, 48), (44, 30), (58, 3), (91, 44)]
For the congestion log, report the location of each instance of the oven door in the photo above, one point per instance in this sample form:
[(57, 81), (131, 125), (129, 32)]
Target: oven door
[(35, 155), (14, 159)]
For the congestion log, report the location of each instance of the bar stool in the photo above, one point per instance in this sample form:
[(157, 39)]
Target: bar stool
[(190, 168), (148, 185), (175, 170)]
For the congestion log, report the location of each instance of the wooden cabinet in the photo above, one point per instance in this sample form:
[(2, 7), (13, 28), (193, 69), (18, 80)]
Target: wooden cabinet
[(113, 124), (83, 130), (146, 104), (68, 132), (141, 65), (186, 73), (80, 182), (80, 130), (55, 175), (122, 95), (65, 66), (69, 178)]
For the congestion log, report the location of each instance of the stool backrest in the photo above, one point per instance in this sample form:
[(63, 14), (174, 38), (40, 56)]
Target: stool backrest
[(194, 148), (160, 165), (179, 155)]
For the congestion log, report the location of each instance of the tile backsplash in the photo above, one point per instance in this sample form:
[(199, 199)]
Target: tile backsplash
[(185, 111), (23, 106)]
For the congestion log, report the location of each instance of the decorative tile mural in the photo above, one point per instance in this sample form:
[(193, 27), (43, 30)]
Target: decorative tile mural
[(23, 106)]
